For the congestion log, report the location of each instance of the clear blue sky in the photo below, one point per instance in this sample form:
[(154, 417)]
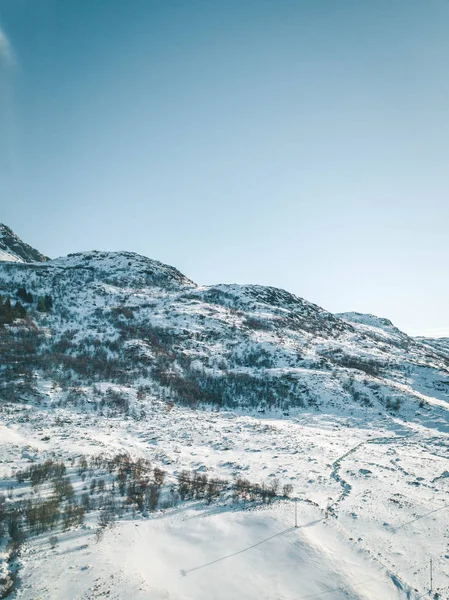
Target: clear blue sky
[(297, 143)]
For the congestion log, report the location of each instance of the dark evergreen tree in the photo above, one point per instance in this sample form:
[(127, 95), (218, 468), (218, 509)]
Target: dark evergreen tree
[(6, 313), (19, 311), (44, 303), (41, 304), (24, 295), (48, 303)]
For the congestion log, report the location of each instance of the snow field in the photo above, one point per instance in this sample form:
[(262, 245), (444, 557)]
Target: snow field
[(379, 480)]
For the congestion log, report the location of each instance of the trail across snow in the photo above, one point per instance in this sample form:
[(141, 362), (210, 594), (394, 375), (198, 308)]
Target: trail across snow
[(388, 488)]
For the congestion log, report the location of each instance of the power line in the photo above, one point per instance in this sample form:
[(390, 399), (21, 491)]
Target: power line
[(332, 590), (421, 517), (350, 585), (337, 589), (212, 562), (431, 575)]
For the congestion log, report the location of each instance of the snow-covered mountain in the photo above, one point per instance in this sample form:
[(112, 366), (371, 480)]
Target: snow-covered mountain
[(106, 329), (115, 367), (12, 248)]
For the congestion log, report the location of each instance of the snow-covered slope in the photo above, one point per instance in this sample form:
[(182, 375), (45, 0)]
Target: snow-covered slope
[(13, 249), (120, 319), (372, 500), (374, 326), (112, 353)]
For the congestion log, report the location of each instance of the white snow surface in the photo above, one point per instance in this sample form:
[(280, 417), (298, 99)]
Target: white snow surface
[(382, 478), (357, 422), (8, 257)]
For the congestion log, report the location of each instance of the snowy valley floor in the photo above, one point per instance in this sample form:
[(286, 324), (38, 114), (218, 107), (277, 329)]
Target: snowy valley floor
[(373, 508)]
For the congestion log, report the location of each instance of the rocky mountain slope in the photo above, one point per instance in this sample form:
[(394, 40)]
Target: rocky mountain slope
[(13, 249), (234, 412), (107, 331)]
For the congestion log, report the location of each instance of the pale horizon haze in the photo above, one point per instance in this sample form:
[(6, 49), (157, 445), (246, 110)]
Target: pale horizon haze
[(302, 144)]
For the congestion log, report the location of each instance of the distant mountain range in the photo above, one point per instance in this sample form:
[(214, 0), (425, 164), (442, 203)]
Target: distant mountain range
[(114, 331)]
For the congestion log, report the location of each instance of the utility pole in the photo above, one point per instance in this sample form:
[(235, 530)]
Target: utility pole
[(431, 576), (296, 510)]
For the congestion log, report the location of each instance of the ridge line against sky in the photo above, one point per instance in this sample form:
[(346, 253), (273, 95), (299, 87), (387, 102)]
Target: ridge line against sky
[(302, 145), (440, 332)]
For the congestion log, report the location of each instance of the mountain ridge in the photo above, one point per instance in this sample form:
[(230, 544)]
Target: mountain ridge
[(8, 238), (108, 331), (13, 249)]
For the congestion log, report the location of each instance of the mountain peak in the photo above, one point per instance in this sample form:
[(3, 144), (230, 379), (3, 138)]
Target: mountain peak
[(13, 249), (368, 322), (128, 265)]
